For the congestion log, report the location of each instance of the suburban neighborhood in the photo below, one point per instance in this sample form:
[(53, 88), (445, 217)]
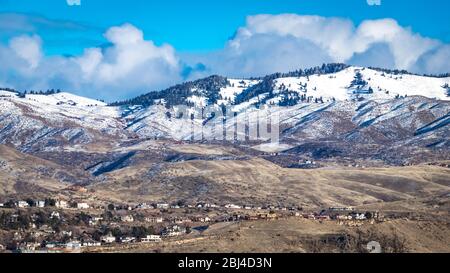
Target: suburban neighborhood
[(54, 226)]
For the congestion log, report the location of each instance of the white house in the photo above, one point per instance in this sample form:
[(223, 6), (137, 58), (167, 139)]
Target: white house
[(154, 219), (162, 206), (127, 218), (73, 245), (173, 231), (91, 244), (151, 239), (66, 233), (62, 204), (22, 204), (232, 206), (40, 204), (95, 220), (82, 206), (145, 206), (126, 240), (109, 239)]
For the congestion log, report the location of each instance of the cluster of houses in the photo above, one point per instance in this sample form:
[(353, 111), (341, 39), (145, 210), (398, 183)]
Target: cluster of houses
[(61, 204), (109, 239), (341, 214), (176, 224)]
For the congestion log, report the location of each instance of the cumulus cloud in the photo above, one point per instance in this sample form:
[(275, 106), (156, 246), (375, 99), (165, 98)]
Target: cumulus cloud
[(130, 65), (28, 48), (273, 43)]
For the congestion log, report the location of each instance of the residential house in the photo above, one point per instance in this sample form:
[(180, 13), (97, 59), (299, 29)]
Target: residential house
[(232, 206), (151, 239), (61, 204), (22, 204), (40, 204), (173, 231), (91, 243), (73, 245), (66, 233), (360, 216), (127, 240), (145, 206), (127, 218), (83, 206), (95, 220), (154, 219), (162, 206), (108, 239)]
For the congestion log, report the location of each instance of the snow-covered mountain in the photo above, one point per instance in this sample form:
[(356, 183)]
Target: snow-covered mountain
[(336, 102)]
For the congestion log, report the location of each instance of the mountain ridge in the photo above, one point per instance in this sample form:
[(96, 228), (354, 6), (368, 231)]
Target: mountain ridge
[(349, 106)]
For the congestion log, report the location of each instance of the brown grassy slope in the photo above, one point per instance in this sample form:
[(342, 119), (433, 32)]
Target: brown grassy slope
[(28, 175), (300, 235), (259, 181)]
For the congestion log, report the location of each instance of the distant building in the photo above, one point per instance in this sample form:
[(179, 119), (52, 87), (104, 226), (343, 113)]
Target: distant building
[(40, 204), (173, 231), (127, 218), (22, 204), (162, 206), (91, 243), (62, 204), (232, 206), (73, 245), (154, 219), (127, 240), (108, 239), (83, 206), (145, 206), (95, 220), (151, 239)]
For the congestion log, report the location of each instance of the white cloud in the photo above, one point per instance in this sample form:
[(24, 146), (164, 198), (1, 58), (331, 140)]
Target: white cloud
[(28, 48), (130, 65), (274, 43)]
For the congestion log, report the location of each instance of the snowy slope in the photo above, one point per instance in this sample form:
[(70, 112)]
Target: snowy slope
[(52, 121), (235, 87), (64, 99), (385, 86), (399, 106)]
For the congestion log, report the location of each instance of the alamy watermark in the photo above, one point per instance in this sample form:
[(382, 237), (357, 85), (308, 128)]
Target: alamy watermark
[(224, 123)]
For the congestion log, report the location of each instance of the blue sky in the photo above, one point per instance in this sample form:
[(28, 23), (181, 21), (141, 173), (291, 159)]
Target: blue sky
[(200, 25), (86, 49)]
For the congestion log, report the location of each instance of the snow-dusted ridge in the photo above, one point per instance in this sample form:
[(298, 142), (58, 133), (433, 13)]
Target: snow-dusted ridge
[(350, 101), (64, 98), (384, 85)]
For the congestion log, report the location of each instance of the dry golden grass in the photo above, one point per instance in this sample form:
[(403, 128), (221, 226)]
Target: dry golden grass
[(25, 174), (259, 181)]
